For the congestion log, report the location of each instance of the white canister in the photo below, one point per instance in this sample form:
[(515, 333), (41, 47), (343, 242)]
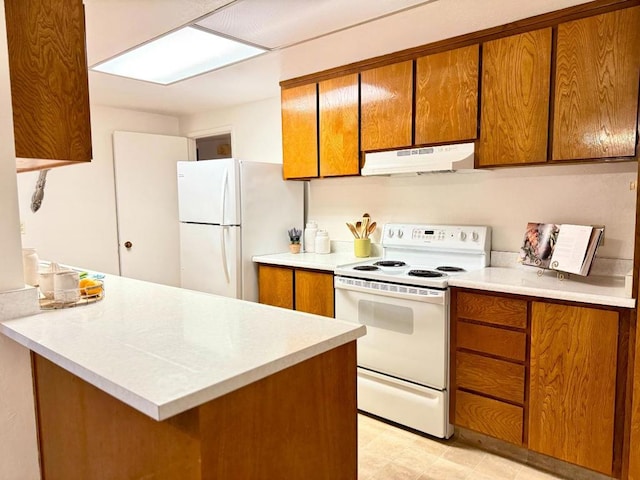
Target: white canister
[(322, 243), (310, 236), (30, 266), (66, 286)]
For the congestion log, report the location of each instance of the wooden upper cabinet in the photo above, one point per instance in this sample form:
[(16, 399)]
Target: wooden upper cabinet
[(49, 82), (596, 86), (573, 384), (339, 126), (387, 106), (514, 121), (300, 131), (447, 96)]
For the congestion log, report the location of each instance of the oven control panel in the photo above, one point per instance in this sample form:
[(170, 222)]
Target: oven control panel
[(474, 238)]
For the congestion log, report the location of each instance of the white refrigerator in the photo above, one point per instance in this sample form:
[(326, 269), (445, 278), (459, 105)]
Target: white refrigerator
[(229, 211)]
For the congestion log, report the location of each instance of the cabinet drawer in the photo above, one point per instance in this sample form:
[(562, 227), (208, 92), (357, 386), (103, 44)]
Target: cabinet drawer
[(494, 341), (491, 417), (509, 312), (497, 378)]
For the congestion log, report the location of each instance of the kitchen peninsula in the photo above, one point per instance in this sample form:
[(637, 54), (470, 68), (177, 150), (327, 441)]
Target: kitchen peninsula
[(160, 382)]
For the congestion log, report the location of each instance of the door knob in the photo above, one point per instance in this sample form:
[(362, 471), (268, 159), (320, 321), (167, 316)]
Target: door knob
[(128, 245)]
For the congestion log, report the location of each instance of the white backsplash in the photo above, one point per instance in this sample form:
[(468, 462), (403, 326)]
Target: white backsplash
[(505, 199), (608, 267)]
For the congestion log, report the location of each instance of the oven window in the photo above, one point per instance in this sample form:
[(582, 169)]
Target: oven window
[(385, 316)]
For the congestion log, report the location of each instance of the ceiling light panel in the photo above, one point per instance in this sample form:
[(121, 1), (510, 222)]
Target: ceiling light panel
[(280, 23), (178, 55)]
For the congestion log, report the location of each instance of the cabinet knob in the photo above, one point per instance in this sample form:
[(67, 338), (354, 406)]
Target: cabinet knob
[(128, 245)]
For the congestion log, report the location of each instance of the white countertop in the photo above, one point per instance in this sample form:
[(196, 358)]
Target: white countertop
[(314, 261), (600, 290), (163, 350)]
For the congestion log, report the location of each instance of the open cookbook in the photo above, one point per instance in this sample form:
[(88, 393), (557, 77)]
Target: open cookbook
[(567, 248)]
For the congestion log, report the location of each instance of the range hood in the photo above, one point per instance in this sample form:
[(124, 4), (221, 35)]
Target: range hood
[(444, 158)]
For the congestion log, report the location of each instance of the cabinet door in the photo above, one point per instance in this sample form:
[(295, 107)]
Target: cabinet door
[(596, 87), (314, 292), (573, 384), (514, 99), (49, 80), (275, 285), (300, 132), (447, 96), (387, 106), (339, 126)]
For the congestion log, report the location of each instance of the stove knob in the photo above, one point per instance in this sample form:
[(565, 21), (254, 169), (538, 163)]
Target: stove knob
[(390, 233), (462, 236), (400, 233), (475, 237)]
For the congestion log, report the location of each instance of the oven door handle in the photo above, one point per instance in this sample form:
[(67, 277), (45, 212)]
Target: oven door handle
[(417, 294)]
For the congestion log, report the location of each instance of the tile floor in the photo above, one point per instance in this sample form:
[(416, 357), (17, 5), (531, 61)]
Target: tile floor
[(390, 453)]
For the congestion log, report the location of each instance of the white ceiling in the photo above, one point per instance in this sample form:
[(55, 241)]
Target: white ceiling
[(117, 25)]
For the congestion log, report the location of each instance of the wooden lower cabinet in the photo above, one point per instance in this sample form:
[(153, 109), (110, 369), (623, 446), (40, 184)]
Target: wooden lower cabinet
[(549, 376), (491, 417), (490, 343), (275, 286), (309, 291), (298, 423), (314, 292), (573, 384)]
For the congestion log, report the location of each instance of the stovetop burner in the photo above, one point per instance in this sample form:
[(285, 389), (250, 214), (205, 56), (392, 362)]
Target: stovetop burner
[(425, 273), (390, 263), (447, 268), (366, 268)]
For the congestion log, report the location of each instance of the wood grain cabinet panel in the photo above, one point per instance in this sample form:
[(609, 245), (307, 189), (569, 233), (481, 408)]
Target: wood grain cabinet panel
[(496, 378), (508, 312), (339, 126), (596, 86), (488, 416), (634, 441), (514, 119), (573, 384), (493, 341), (314, 292), (275, 286), (387, 106), (299, 107), (49, 80), (447, 96)]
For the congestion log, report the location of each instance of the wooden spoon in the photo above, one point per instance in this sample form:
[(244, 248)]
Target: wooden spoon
[(359, 228), (372, 228), (365, 224), (353, 230)]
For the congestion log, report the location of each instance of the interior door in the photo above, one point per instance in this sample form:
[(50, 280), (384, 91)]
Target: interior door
[(147, 205)]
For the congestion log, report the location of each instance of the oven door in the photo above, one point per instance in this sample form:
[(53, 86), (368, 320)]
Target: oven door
[(407, 329)]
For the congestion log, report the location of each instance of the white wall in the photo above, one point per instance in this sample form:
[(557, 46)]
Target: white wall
[(255, 129), (505, 199), (76, 223), (18, 447)]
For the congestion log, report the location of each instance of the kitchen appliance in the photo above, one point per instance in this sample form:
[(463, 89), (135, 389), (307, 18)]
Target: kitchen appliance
[(229, 211), (403, 299), (444, 158)]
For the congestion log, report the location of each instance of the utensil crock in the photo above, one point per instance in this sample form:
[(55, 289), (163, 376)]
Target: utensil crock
[(362, 247)]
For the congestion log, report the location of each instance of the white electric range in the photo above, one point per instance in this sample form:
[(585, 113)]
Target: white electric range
[(403, 299)]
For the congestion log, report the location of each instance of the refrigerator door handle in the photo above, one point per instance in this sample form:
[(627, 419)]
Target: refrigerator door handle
[(223, 200), (223, 251)]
